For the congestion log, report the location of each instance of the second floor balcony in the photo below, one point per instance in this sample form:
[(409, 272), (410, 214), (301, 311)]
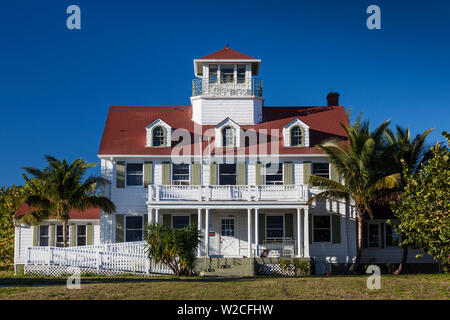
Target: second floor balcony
[(227, 88), (278, 193)]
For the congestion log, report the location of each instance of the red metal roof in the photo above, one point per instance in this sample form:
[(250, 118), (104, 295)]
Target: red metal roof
[(125, 129), (93, 213), (227, 53)]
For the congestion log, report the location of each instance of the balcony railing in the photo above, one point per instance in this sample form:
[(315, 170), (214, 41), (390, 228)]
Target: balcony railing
[(281, 193), (249, 87)]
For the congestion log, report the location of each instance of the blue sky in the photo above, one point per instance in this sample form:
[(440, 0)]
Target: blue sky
[(56, 84)]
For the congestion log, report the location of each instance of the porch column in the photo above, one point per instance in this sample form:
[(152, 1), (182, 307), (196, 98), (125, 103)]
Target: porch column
[(306, 232), (249, 231), (156, 215), (207, 232), (199, 226), (149, 216), (299, 232), (256, 233)]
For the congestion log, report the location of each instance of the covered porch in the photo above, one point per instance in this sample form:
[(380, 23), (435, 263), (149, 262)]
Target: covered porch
[(242, 231)]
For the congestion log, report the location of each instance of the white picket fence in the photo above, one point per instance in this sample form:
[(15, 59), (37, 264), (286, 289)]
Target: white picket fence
[(128, 257)]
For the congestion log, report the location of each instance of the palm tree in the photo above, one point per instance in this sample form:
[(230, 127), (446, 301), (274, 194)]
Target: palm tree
[(413, 153), (63, 190), (360, 163)]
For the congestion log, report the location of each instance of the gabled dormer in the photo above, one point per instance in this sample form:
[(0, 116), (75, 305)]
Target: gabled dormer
[(159, 134), (227, 134), (226, 87), (296, 134)]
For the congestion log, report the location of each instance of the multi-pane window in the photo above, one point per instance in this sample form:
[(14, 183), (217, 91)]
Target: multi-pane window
[(134, 227), (227, 227), (158, 137), (59, 236), (241, 73), (135, 174), (180, 174), (392, 237), (274, 227), (180, 222), (274, 173), (213, 73), (228, 137), (226, 73), (81, 235), (374, 235), (321, 229), (44, 236), (321, 169), (296, 136), (227, 174)]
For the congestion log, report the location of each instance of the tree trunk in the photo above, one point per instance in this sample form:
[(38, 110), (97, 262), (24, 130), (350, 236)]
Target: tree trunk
[(65, 233), (402, 264), (355, 264)]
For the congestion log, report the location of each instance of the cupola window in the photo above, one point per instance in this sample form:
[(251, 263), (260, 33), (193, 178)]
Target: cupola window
[(213, 73), (241, 73), (227, 73)]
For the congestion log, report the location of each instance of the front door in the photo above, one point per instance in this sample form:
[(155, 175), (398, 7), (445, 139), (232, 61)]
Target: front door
[(229, 243)]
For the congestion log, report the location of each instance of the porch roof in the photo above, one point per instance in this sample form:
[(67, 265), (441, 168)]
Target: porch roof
[(93, 213)]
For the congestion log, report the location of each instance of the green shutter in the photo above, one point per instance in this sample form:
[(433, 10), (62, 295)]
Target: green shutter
[(35, 236), (196, 174), (310, 228), (336, 227), (289, 225), (72, 235), (89, 234), (166, 173), (306, 171), (194, 219), (167, 220), (382, 235), (51, 233), (262, 227), (120, 174), (242, 174), (259, 174), (213, 174), (288, 173), (120, 227), (364, 234), (334, 174), (148, 173)]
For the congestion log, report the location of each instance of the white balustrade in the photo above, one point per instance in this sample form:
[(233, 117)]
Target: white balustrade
[(158, 193)]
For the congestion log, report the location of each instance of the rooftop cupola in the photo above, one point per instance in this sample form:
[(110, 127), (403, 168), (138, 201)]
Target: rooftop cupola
[(225, 87)]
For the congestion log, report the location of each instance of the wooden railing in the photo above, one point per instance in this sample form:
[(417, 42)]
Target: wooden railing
[(158, 193), (121, 257)]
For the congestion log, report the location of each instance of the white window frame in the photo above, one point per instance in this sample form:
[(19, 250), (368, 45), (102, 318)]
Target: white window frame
[(48, 234), (282, 175), (77, 235), (171, 174), (313, 229), (219, 175), (125, 225), (284, 225), (235, 226), (179, 215), (329, 168), (56, 235), (126, 174)]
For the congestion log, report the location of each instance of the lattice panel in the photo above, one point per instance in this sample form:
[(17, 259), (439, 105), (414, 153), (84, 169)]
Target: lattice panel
[(270, 269), (57, 271)]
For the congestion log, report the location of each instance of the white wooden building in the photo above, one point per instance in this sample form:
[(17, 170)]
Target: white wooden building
[(230, 164)]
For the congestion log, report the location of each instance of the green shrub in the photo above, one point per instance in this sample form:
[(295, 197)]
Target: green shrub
[(298, 266), (173, 247)]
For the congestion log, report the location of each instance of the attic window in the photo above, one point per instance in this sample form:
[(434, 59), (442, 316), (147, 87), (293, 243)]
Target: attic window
[(158, 137), (296, 137), (228, 137)]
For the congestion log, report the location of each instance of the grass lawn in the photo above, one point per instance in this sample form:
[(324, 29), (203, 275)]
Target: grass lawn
[(419, 286)]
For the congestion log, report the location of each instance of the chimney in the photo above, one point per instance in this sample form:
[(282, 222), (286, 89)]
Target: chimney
[(333, 99)]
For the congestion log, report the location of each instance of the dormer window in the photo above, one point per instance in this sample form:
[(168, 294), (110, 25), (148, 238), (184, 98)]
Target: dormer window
[(159, 134), (228, 137), (296, 137), (159, 137), (296, 134)]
